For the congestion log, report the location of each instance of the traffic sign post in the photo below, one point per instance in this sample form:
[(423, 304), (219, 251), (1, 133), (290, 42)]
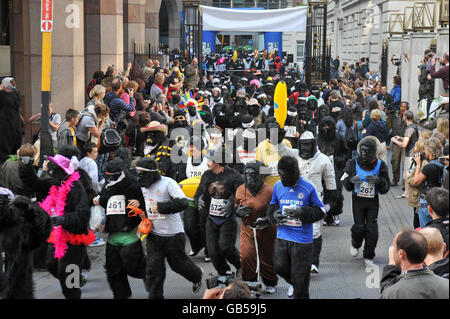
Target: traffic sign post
[(46, 143)]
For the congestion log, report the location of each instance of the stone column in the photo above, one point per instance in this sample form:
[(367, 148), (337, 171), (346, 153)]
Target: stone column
[(394, 47), (103, 35), (419, 43), (152, 21), (441, 48), (133, 26)]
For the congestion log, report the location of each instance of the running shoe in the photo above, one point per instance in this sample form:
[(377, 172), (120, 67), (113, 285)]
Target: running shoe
[(314, 269), (354, 251), (270, 290), (97, 242), (290, 293), (369, 263)]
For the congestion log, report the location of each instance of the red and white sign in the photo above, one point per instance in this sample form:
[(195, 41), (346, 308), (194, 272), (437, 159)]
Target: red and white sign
[(46, 15)]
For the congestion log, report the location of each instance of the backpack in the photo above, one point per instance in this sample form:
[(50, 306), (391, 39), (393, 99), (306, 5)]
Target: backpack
[(110, 140), (442, 168), (350, 137)]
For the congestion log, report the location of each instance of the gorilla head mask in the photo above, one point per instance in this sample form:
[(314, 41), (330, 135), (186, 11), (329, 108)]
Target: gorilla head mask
[(307, 145), (288, 171), (180, 119), (327, 128), (292, 116), (277, 135), (56, 173), (253, 179), (148, 172), (367, 153), (115, 171)]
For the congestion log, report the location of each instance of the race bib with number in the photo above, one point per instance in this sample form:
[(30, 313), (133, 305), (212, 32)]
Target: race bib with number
[(365, 190), (150, 214), (194, 173), (290, 131), (292, 222), (273, 168), (216, 208), (116, 205)]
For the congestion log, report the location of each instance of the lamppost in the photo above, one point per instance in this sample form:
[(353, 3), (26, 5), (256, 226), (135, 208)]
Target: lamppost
[(192, 27)]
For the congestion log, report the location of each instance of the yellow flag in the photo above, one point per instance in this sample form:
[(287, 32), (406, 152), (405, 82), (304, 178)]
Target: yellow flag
[(235, 56)]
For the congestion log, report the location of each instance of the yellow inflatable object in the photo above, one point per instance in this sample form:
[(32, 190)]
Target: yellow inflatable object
[(235, 56), (280, 103), (189, 186)]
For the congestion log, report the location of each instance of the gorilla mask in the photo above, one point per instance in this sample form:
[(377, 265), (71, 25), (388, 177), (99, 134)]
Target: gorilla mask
[(148, 172), (115, 171), (307, 145), (278, 134), (253, 179), (254, 110), (367, 154), (192, 109), (288, 171), (56, 173), (327, 128), (180, 121), (154, 138)]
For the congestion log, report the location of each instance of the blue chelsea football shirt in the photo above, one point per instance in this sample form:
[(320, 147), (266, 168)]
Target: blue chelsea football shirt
[(301, 194)]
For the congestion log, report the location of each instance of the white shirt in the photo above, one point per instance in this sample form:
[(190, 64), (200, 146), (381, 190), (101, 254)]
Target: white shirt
[(90, 166), (163, 191), (192, 171)]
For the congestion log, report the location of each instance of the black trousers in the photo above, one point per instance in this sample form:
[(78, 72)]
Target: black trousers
[(173, 248), (121, 262), (292, 261), (75, 256), (194, 231), (317, 248), (365, 227), (221, 241)]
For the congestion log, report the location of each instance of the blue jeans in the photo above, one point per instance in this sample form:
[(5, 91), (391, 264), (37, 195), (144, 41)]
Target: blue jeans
[(424, 216), (101, 163)]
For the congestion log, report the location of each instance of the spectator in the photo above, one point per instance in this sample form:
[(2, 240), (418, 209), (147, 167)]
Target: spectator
[(116, 105), (378, 129), (157, 87), (345, 121), (148, 70), (407, 142), (10, 119), (396, 92), (90, 166), (443, 71), (335, 104), (437, 200), (426, 86), (66, 133), (192, 74), (236, 290), (97, 94), (372, 105), (397, 125), (435, 252), (431, 175), (405, 277), (54, 122), (90, 125), (443, 128), (141, 103), (96, 80)]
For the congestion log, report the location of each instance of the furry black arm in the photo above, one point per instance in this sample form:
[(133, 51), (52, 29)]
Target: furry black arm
[(272, 208), (385, 183), (311, 214), (350, 169), (77, 212), (173, 206)]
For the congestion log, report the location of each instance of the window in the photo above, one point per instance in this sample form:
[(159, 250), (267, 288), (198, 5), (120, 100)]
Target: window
[(268, 4), (222, 3), (300, 51), (243, 4)]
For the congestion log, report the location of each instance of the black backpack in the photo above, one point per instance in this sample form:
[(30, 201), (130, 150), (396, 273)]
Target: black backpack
[(110, 140)]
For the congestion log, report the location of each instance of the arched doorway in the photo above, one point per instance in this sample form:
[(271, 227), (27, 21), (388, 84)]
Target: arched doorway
[(163, 24)]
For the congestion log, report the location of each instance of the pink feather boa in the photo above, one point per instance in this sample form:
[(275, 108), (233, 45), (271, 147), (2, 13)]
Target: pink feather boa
[(54, 205)]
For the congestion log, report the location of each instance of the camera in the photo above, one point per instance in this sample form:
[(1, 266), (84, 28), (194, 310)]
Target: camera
[(216, 281), (422, 158)]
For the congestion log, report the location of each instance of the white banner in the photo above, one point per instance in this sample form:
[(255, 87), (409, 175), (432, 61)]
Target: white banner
[(280, 20)]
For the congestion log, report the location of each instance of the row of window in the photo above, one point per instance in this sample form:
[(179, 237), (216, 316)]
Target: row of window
[(266, 4)]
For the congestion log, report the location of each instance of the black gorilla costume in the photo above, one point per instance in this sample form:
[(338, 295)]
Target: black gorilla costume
[(221, 112), (125, 255), (367, 177), (292, 126), (215, 201), (11, 124), (292, 260), (334, 146), (167, 239), (23, 227)]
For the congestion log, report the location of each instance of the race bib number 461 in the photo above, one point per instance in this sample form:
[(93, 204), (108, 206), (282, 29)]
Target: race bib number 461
[(116, 205), (365, 190)]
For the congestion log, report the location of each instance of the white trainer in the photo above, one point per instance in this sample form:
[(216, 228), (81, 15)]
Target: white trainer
[(369, 263), (290, 293), (314, 269), (354, 251)]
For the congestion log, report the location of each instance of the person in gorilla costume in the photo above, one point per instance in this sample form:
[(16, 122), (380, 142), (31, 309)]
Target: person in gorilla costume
[(317, 168), (366, 177), (316, 117), (292, 126), (294, 207), (215, 199), (124, 252), (68, 205), (251, 201), (164, 200), (334, 146), (10, 122), (254, 110), (23, 227), (220, 114), (157, 146)]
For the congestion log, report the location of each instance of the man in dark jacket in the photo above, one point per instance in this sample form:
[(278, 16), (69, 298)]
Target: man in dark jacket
[(435, 260), (442, 73), (405, 277), (116, 104)]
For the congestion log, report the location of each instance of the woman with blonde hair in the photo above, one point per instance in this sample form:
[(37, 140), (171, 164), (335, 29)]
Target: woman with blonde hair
[(158, 86), (378, 129), (443, 127), (96, 94)]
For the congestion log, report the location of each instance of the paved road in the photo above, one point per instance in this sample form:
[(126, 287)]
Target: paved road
[(341, 276)]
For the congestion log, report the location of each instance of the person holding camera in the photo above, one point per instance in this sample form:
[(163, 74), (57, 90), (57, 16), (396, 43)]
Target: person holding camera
[(116, 105), (407, 142), (429, 176), (442, 73)]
